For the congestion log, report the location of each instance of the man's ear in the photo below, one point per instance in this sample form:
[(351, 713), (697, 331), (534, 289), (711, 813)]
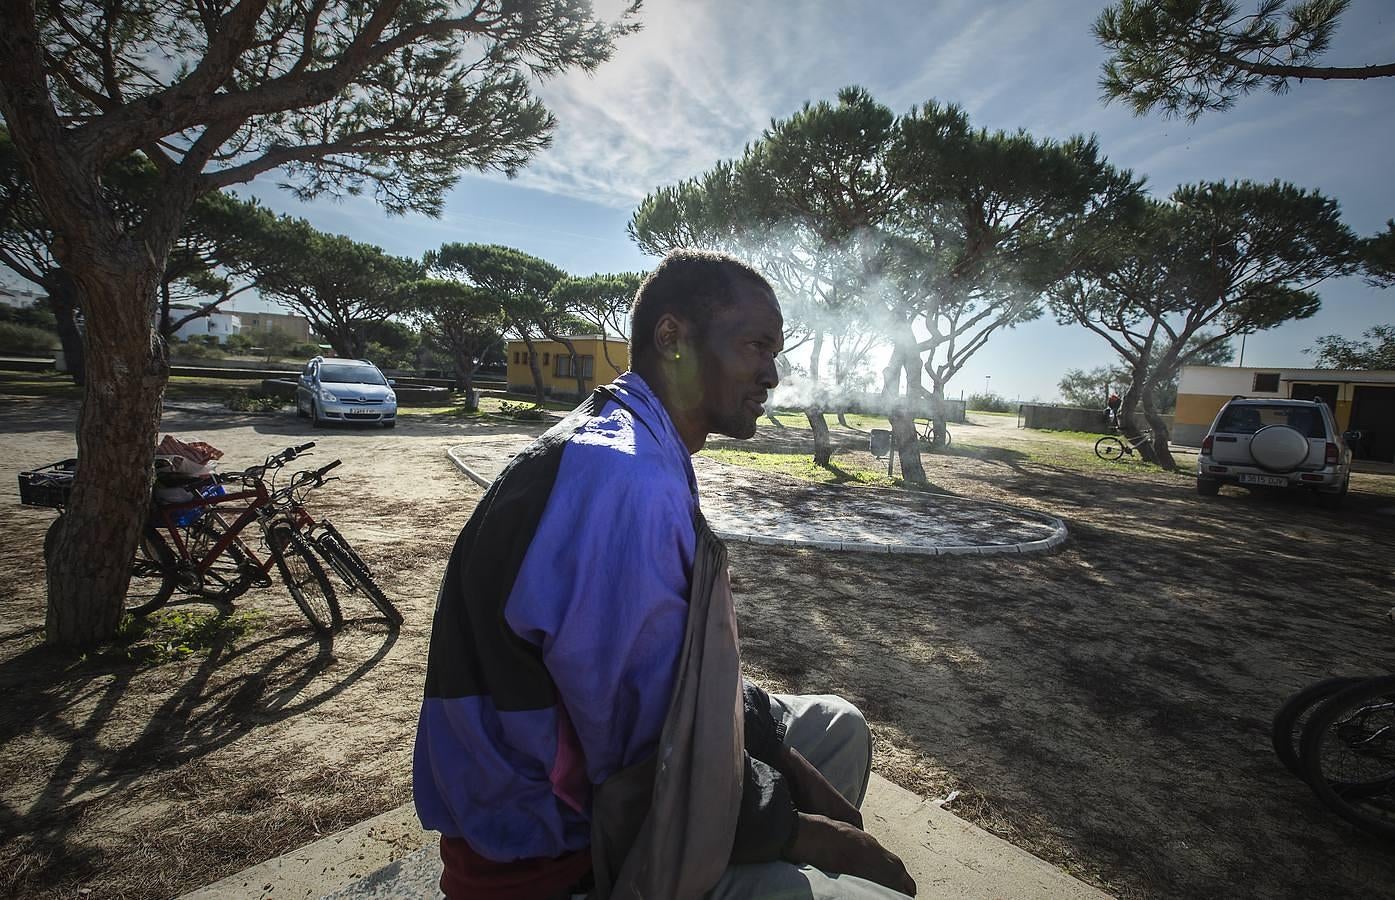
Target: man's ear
[(670, 336)]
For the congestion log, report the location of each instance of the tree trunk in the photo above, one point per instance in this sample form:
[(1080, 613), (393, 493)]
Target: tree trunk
[(1128, 416), (63, 303), (127, 367), (899, 414), (533, 367), (903, 434), (843, 419), (823, 442), (937, 414), (464, 379), (1161, 453)]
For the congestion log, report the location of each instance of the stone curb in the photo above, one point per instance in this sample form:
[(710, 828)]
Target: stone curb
[(469, 472), (1058, 536)]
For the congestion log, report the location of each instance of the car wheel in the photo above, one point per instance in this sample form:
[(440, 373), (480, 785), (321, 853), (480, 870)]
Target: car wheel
[(1208, 487), (315, 419), (390, 423)]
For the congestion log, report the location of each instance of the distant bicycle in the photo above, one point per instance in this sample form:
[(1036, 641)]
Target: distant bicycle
[(926, 433), (1116, 446)]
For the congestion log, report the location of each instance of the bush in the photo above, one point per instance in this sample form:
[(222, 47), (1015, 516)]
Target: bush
[(35, 315), (308, 350), (26, 339), (990, 403), (254, 400), (525, 412), (196, 349), (239, 343)]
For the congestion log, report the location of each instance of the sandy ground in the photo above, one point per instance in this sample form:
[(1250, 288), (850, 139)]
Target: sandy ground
[(1105, 707)]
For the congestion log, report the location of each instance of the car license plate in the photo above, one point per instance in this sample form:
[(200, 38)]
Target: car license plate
[(1271, 480), (362, 411)]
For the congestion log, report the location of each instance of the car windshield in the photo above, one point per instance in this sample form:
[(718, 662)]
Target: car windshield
[(350, 375), (1249, 418)]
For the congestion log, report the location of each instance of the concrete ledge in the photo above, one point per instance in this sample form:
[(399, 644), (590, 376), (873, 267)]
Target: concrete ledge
[(389, 856), (949, 857), (331, 863)]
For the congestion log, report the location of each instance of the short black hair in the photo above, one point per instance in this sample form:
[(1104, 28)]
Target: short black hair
[(691, 284)]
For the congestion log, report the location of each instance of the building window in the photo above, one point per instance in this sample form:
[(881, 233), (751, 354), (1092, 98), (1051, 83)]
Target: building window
[(1266, 382), (545, 356), (516, 358), (564, 368)]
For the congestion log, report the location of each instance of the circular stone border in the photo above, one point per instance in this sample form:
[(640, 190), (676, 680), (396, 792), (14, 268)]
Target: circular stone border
[(1059, 532)]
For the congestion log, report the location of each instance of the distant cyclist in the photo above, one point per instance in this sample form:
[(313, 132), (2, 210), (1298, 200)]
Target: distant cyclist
[(1111, 410)]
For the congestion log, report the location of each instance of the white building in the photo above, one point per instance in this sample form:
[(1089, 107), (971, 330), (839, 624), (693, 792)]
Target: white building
[(20, 297), (220, 324)]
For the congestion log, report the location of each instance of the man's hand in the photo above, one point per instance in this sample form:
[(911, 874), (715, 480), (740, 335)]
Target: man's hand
[(838, 847), (812, 793)]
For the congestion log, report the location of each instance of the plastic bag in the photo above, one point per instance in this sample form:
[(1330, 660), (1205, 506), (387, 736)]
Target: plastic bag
[(185, 458)]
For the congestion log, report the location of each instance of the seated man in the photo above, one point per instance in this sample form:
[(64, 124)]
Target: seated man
[(585, 726)]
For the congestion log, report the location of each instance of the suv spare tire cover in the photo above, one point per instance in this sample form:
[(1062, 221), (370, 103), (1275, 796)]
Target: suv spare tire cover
[(1278, 448)]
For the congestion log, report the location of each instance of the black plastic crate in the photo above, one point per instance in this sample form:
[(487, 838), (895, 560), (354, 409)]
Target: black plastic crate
[(49, 485)]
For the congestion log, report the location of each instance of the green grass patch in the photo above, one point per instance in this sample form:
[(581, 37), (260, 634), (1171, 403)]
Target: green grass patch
[(993, 412), (39, 386), (855, 420), (170, 635), (801, 465)]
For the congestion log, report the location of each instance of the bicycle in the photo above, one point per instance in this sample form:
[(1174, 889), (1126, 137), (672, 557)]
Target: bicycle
[(926, 433), (1338, 735), (189, 546), (1116, 446)]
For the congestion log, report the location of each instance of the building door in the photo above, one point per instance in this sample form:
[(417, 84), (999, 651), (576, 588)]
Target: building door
[(1373, 414), (1327, 393)]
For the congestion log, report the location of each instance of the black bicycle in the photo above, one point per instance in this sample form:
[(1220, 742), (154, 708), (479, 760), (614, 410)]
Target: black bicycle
[(1112, 447), (1338, 735)]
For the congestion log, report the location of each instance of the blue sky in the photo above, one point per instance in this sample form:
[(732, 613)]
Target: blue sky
[(704, 77)]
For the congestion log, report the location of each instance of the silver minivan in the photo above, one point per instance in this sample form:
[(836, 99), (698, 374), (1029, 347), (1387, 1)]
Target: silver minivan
[(1275, 443), (345, 390)]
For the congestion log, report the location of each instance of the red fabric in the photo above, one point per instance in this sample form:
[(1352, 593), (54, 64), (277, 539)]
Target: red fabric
[(469, 875)]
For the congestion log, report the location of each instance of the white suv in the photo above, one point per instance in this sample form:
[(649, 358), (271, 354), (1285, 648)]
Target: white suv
[(345, 390), (1275, 443)]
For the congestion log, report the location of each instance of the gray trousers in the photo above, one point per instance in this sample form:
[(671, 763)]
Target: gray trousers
[(832, 734)]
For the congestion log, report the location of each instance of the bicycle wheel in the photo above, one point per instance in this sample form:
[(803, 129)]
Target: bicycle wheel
[(1286, 733), (350, 567), (1110, 448), (152, 570), (226, 578), (1348, 753), (305, 579)]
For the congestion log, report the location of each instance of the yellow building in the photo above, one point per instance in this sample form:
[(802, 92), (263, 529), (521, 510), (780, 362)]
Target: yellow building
[(1363, 400), (600, 359)]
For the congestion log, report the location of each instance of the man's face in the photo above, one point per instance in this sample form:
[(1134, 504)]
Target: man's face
[(737, 361)]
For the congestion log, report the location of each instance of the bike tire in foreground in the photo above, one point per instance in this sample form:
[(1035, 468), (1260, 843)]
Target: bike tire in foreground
[(354, 571), (1349, 754), (305, 579)]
